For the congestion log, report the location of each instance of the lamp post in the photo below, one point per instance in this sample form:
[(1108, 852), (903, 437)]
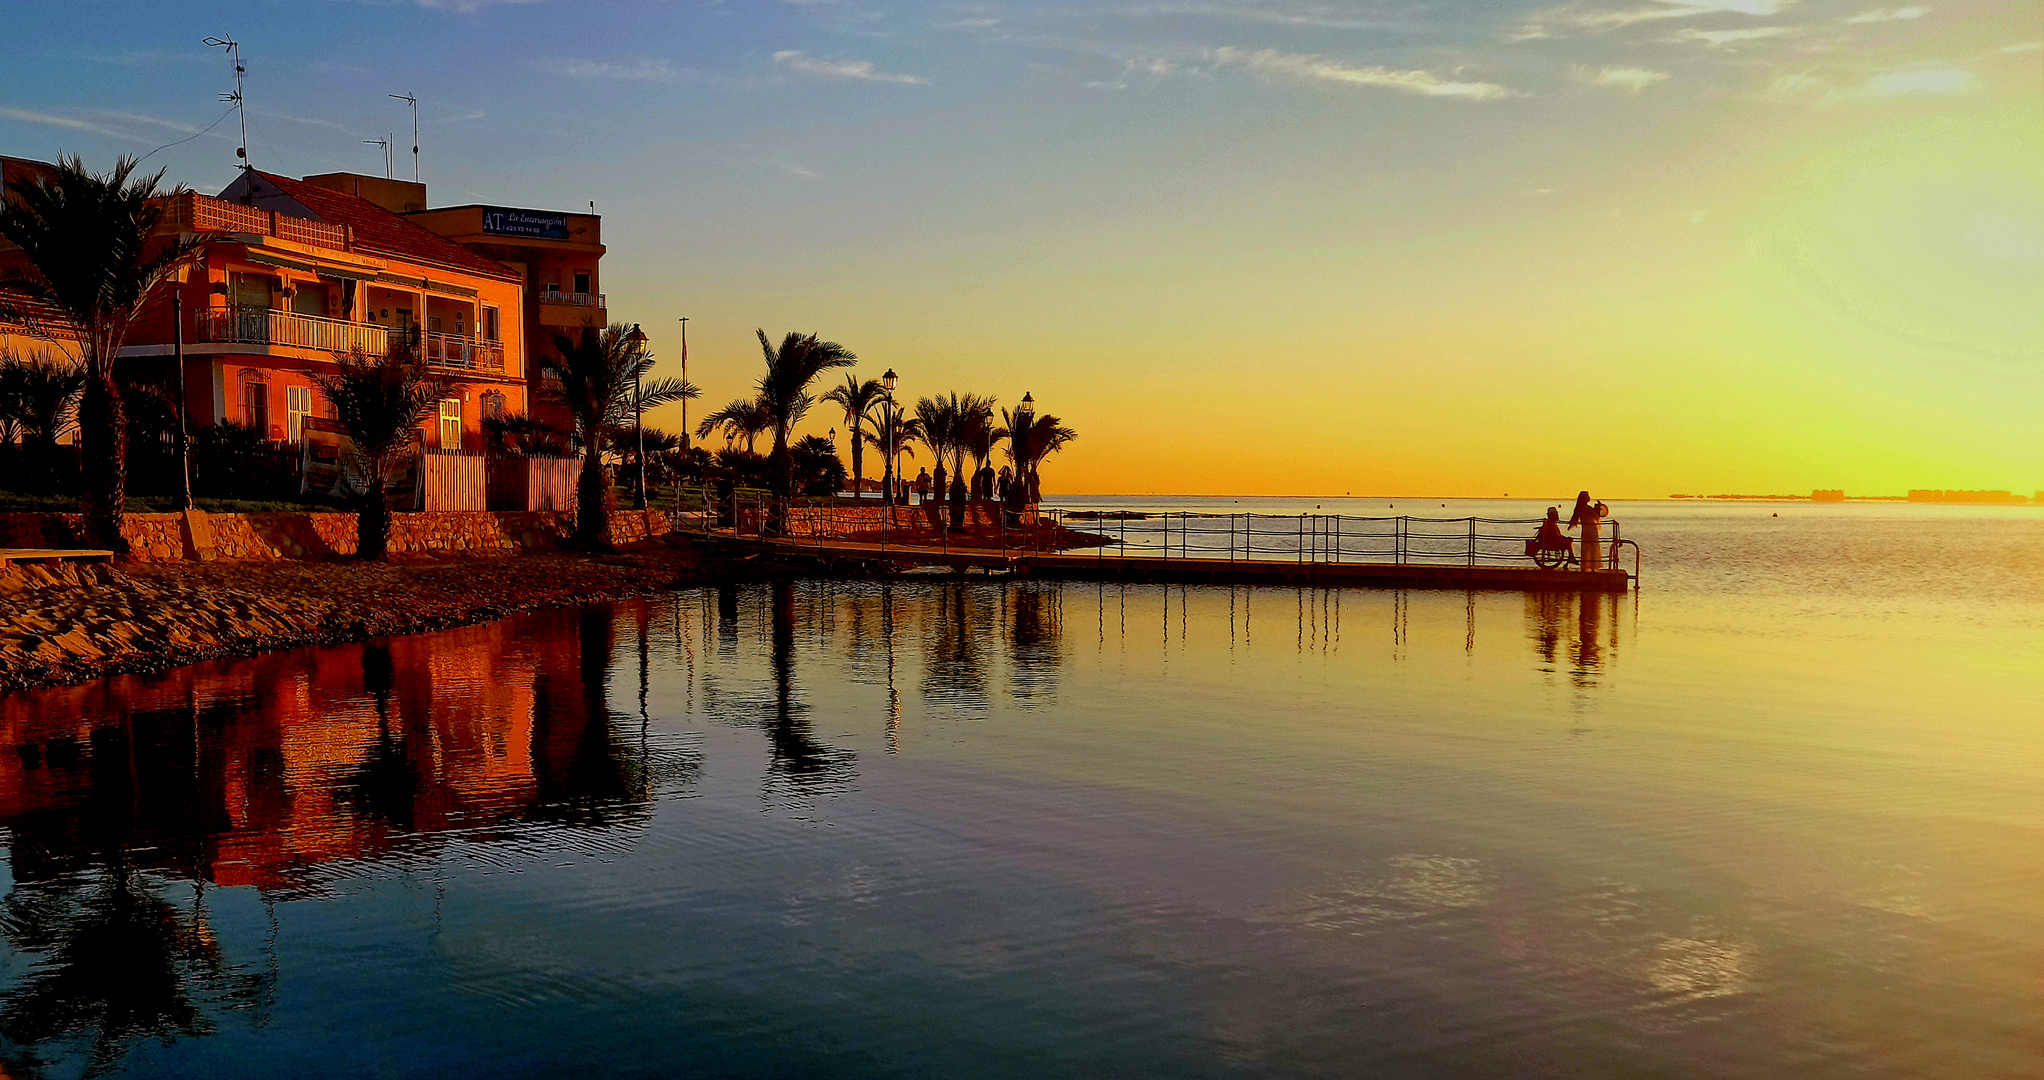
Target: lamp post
[(684, 378), (637, 340), (177, 352), (887, 382)]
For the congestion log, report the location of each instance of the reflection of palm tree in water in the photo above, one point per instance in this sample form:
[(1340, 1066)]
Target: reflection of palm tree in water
[(805, 765), (1036, 638), (119, 963), (954, 670), (584, 773), (385, 786)]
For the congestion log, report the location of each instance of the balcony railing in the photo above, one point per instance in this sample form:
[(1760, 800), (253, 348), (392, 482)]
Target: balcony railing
[(574, 299), (201, 213), (267, 326)]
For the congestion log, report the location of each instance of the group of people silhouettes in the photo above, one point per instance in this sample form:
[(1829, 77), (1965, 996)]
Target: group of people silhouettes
[(1552, 538)]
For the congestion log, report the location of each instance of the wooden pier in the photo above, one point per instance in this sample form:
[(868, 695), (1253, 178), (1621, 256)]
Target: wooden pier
[(840, 556)]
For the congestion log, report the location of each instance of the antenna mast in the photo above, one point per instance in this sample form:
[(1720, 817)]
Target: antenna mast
[(233, 48), (385, 144), (413, 101)]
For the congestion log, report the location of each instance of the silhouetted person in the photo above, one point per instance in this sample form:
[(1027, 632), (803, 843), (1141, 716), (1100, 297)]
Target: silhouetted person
[(1582, 511), (1551, 537)]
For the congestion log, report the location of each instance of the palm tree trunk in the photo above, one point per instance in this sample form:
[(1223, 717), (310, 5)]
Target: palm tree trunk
[(592, 524), (858, 462), (103, 447), (372, 524)]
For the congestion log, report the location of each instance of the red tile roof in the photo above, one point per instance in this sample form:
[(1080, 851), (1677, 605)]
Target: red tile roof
[(379, 230)]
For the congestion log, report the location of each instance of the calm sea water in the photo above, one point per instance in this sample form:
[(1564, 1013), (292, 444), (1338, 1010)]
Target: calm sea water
[(1779, 813)]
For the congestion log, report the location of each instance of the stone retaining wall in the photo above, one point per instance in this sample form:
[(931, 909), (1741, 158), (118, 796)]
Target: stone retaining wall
[(315, 535)]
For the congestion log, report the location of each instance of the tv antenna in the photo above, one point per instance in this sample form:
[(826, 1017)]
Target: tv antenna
[(413, 101), (385, 144), (233, 48)]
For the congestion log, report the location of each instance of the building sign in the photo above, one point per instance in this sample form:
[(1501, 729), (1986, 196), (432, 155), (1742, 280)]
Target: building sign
[(529, 223)]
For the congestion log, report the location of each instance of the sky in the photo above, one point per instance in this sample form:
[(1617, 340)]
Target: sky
[(1279, 247)]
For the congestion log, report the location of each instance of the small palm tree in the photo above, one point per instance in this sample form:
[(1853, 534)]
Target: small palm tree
[(384, 402), (38, 405), (857, 398), (973, 428), (784, 394), (93, 258), (891, 430), (938, 417), (1032, 438), (741, 419), (600, 375)]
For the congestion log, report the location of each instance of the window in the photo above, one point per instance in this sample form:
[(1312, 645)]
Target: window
[(255, 406), (581, 281), (297, 406), (493, 404), (489, 327), (450, 423), (553, 288)]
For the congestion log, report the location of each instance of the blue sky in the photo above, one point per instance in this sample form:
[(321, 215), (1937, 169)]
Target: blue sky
[(1405, 234)]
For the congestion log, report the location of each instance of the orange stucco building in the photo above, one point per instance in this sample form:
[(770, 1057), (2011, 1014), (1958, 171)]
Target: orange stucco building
[(292, 273)]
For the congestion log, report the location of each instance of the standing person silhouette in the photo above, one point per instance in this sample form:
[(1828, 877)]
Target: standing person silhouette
[(1582, 512)]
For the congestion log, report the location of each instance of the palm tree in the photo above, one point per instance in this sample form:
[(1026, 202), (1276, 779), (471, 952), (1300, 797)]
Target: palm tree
[(890, 430), (784, 394), (1032, 438), (93, 258), (383, 402), (742, 419), (974, 428), (939, 419), (856, 398), (38, 404), (601, 377), (980, 436)]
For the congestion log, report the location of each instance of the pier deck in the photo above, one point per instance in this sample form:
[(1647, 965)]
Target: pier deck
[(842, 554)]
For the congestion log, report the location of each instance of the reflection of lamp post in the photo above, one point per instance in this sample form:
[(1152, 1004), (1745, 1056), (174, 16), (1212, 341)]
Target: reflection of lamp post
[(637, 340), (887, 382)]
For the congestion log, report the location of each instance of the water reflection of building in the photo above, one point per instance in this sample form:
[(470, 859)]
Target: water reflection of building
[(261, 772), (246, 772)]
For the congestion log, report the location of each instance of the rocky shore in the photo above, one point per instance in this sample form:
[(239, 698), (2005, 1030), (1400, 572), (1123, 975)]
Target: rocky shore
[(87, 621)]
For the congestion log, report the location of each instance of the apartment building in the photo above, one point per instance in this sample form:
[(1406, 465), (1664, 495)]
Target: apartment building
[(557, 255)]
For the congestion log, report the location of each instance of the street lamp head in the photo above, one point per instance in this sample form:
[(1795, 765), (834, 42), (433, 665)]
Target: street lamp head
[(887, 381), (1027, 401), (637, 338)]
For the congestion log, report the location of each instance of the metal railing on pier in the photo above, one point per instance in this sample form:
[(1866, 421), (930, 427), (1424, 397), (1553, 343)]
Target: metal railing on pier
[(989, 527)]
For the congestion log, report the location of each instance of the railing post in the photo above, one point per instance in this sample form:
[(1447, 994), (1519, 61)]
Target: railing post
[(1472, 541)]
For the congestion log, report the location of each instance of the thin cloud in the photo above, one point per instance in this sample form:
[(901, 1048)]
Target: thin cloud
[(1889, 16), (643, 69), (1719, 38), (1590, 17), (2022, 47), (1621, 78), (70, 123), (854, 70), (1931, 79), (470, 7), (1321, 69)]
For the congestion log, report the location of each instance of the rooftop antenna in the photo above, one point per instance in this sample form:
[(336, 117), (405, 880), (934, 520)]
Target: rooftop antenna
[(413, 101), (385, 143), (233, 48)]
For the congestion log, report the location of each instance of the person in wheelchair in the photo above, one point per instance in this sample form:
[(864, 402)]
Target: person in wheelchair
[(1551, 546)]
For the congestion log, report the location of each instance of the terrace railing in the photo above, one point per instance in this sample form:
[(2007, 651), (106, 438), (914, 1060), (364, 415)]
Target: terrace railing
[(573, 299), (270, 326), (193, 212)]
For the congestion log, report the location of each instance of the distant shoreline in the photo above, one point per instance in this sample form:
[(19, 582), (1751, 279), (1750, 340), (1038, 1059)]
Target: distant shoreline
[(2011, 498)]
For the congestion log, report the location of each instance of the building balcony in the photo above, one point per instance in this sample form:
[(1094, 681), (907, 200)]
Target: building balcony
[(574, 299), (268, 326)]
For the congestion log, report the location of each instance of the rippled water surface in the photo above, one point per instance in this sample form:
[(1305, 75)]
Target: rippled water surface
[(1781, 813)]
